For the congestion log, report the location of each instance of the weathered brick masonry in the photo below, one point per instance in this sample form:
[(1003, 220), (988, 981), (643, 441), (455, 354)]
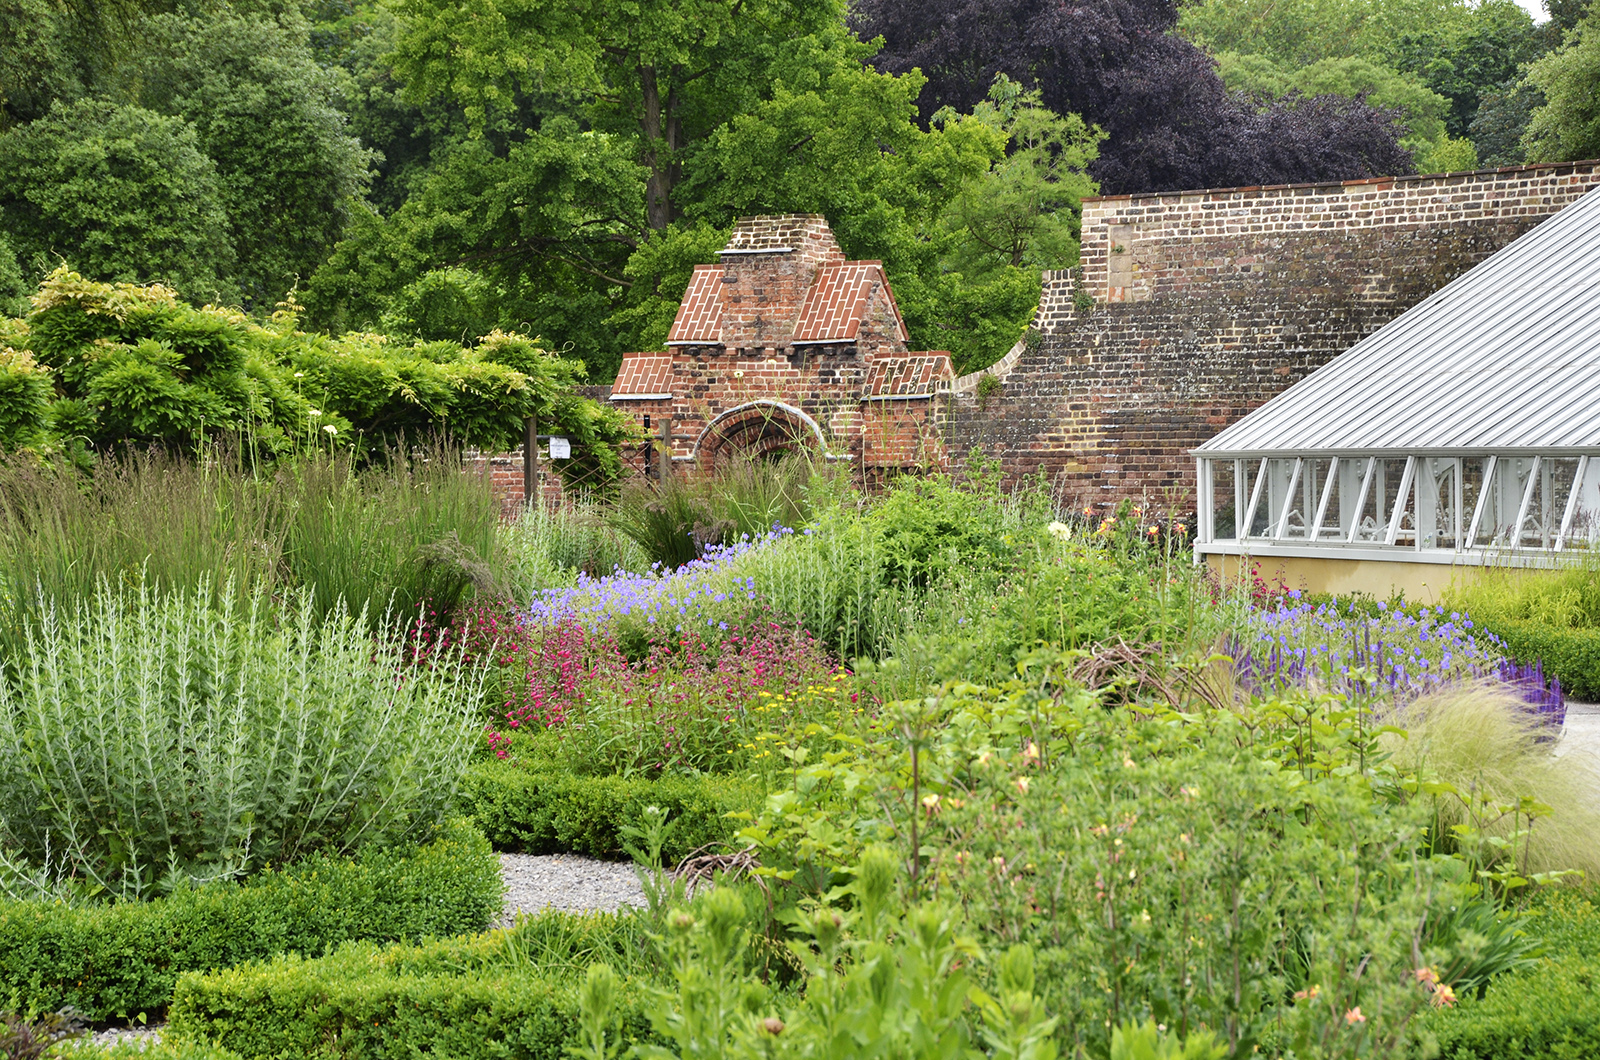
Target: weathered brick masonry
[(1205, 304)]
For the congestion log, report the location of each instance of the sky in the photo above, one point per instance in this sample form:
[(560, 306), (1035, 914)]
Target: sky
[(1534, 8)]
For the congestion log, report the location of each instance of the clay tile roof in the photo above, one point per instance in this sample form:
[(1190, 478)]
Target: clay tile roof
[(837, 301), (643, 375), (700, 314), (915, 375)]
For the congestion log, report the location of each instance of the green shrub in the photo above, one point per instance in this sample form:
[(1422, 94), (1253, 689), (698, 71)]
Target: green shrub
[(110, 961), (138, 366), (463, 999), (1572, 655), (148, 741), (541, 812), (1548, 1012)]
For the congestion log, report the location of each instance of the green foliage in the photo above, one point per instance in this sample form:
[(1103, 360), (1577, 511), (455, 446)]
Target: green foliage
[(126, 193), (1424, 110), (403, 536), (25, 394), (1025, 209), (450, 999), (548, 810), (1260, 872), (1567, 127), (135, 365), (116, 961), (1549, 1010), (1547, 617), (263, 111), (152, 741), (153, 1051)]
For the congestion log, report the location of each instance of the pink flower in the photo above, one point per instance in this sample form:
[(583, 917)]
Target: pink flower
[(1354, 1016)]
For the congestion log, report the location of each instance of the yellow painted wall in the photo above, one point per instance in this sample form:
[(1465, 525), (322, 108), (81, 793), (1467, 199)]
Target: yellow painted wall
[(1421, 582)]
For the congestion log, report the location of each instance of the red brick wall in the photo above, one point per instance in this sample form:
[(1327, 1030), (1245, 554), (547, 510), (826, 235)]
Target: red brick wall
[(1225, 299)]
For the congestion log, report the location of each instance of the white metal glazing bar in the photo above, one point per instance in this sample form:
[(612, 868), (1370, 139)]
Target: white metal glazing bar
[(1483, 501), (1403, 495), (1572, 502), (1527, 499), (1255, 499), (1288, 498), (1361, 498), (1239, 500), (1327, 495)]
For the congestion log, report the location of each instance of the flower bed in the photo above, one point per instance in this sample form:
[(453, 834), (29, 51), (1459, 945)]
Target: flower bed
[(1394, 654)]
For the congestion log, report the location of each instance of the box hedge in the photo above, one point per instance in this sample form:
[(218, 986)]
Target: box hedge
[(547, 811), (120, 960), (457, 998), (1548, 1012), (1572, 654)]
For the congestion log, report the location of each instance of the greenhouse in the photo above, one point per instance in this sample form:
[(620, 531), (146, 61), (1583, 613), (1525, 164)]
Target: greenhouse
[(1466, 431)]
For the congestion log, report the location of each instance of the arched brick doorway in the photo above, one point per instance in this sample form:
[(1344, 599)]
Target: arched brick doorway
[(756, 430)]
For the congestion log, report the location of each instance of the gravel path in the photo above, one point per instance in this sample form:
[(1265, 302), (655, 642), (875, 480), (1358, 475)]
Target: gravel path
[(566, 882)]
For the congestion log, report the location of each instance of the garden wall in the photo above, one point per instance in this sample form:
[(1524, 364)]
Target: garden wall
[(1202, 305)]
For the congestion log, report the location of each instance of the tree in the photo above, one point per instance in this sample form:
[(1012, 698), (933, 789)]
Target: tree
[(1567, 127), (1025, 208), (1170, 121), (1422, 109), (549, 225), (122, 192), (263, 110), (669, 70)]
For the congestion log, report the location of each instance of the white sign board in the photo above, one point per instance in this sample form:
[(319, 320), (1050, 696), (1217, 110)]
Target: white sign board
[(560, 449)]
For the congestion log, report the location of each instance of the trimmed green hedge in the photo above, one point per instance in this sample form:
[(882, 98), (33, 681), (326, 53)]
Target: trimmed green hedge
[(1570, 654), (119, 960), (459, 998), (1548, 1012), (541, 812)]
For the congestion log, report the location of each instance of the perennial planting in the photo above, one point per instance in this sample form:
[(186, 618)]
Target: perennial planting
[(948, 771)]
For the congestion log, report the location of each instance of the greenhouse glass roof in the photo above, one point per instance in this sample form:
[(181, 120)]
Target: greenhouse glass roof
[(1469, 422)]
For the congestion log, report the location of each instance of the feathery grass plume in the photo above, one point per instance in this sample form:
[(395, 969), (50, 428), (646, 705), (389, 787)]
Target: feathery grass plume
[(1481, 739)]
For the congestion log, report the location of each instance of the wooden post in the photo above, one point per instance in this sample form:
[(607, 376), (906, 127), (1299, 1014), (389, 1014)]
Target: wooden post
[(666, 449), (530, 464)]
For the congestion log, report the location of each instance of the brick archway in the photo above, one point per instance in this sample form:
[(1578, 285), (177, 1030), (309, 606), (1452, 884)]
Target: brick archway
[(755, 430)]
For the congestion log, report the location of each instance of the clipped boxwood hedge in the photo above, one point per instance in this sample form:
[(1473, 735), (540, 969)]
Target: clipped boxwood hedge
[(1548, 1012), (116, 961), (542, 812), (1573, 655), (457, 998)]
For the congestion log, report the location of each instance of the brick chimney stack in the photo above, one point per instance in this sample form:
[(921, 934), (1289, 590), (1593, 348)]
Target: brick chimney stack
[(767, 267)]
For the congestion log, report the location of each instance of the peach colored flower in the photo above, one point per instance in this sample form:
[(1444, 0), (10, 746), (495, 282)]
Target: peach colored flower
[(1443, 996), (1354, 1016), (1021, 784)]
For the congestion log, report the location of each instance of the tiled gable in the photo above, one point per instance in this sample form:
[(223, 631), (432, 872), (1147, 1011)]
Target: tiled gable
[(699, 319), (837, 301), (916, 375), (643, 375)]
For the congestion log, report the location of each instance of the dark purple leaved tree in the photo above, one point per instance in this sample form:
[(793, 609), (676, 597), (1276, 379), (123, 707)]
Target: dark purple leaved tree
[(1171, 123)]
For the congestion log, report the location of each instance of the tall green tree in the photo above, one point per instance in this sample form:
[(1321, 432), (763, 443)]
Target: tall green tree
[(121, 192), (1567, 127), (668, 71), (264, 111), (1025, 209)]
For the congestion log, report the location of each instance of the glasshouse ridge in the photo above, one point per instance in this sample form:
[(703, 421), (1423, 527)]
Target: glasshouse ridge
[(710, 530)]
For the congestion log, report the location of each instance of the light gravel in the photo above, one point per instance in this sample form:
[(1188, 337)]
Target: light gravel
[(567, 882)]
